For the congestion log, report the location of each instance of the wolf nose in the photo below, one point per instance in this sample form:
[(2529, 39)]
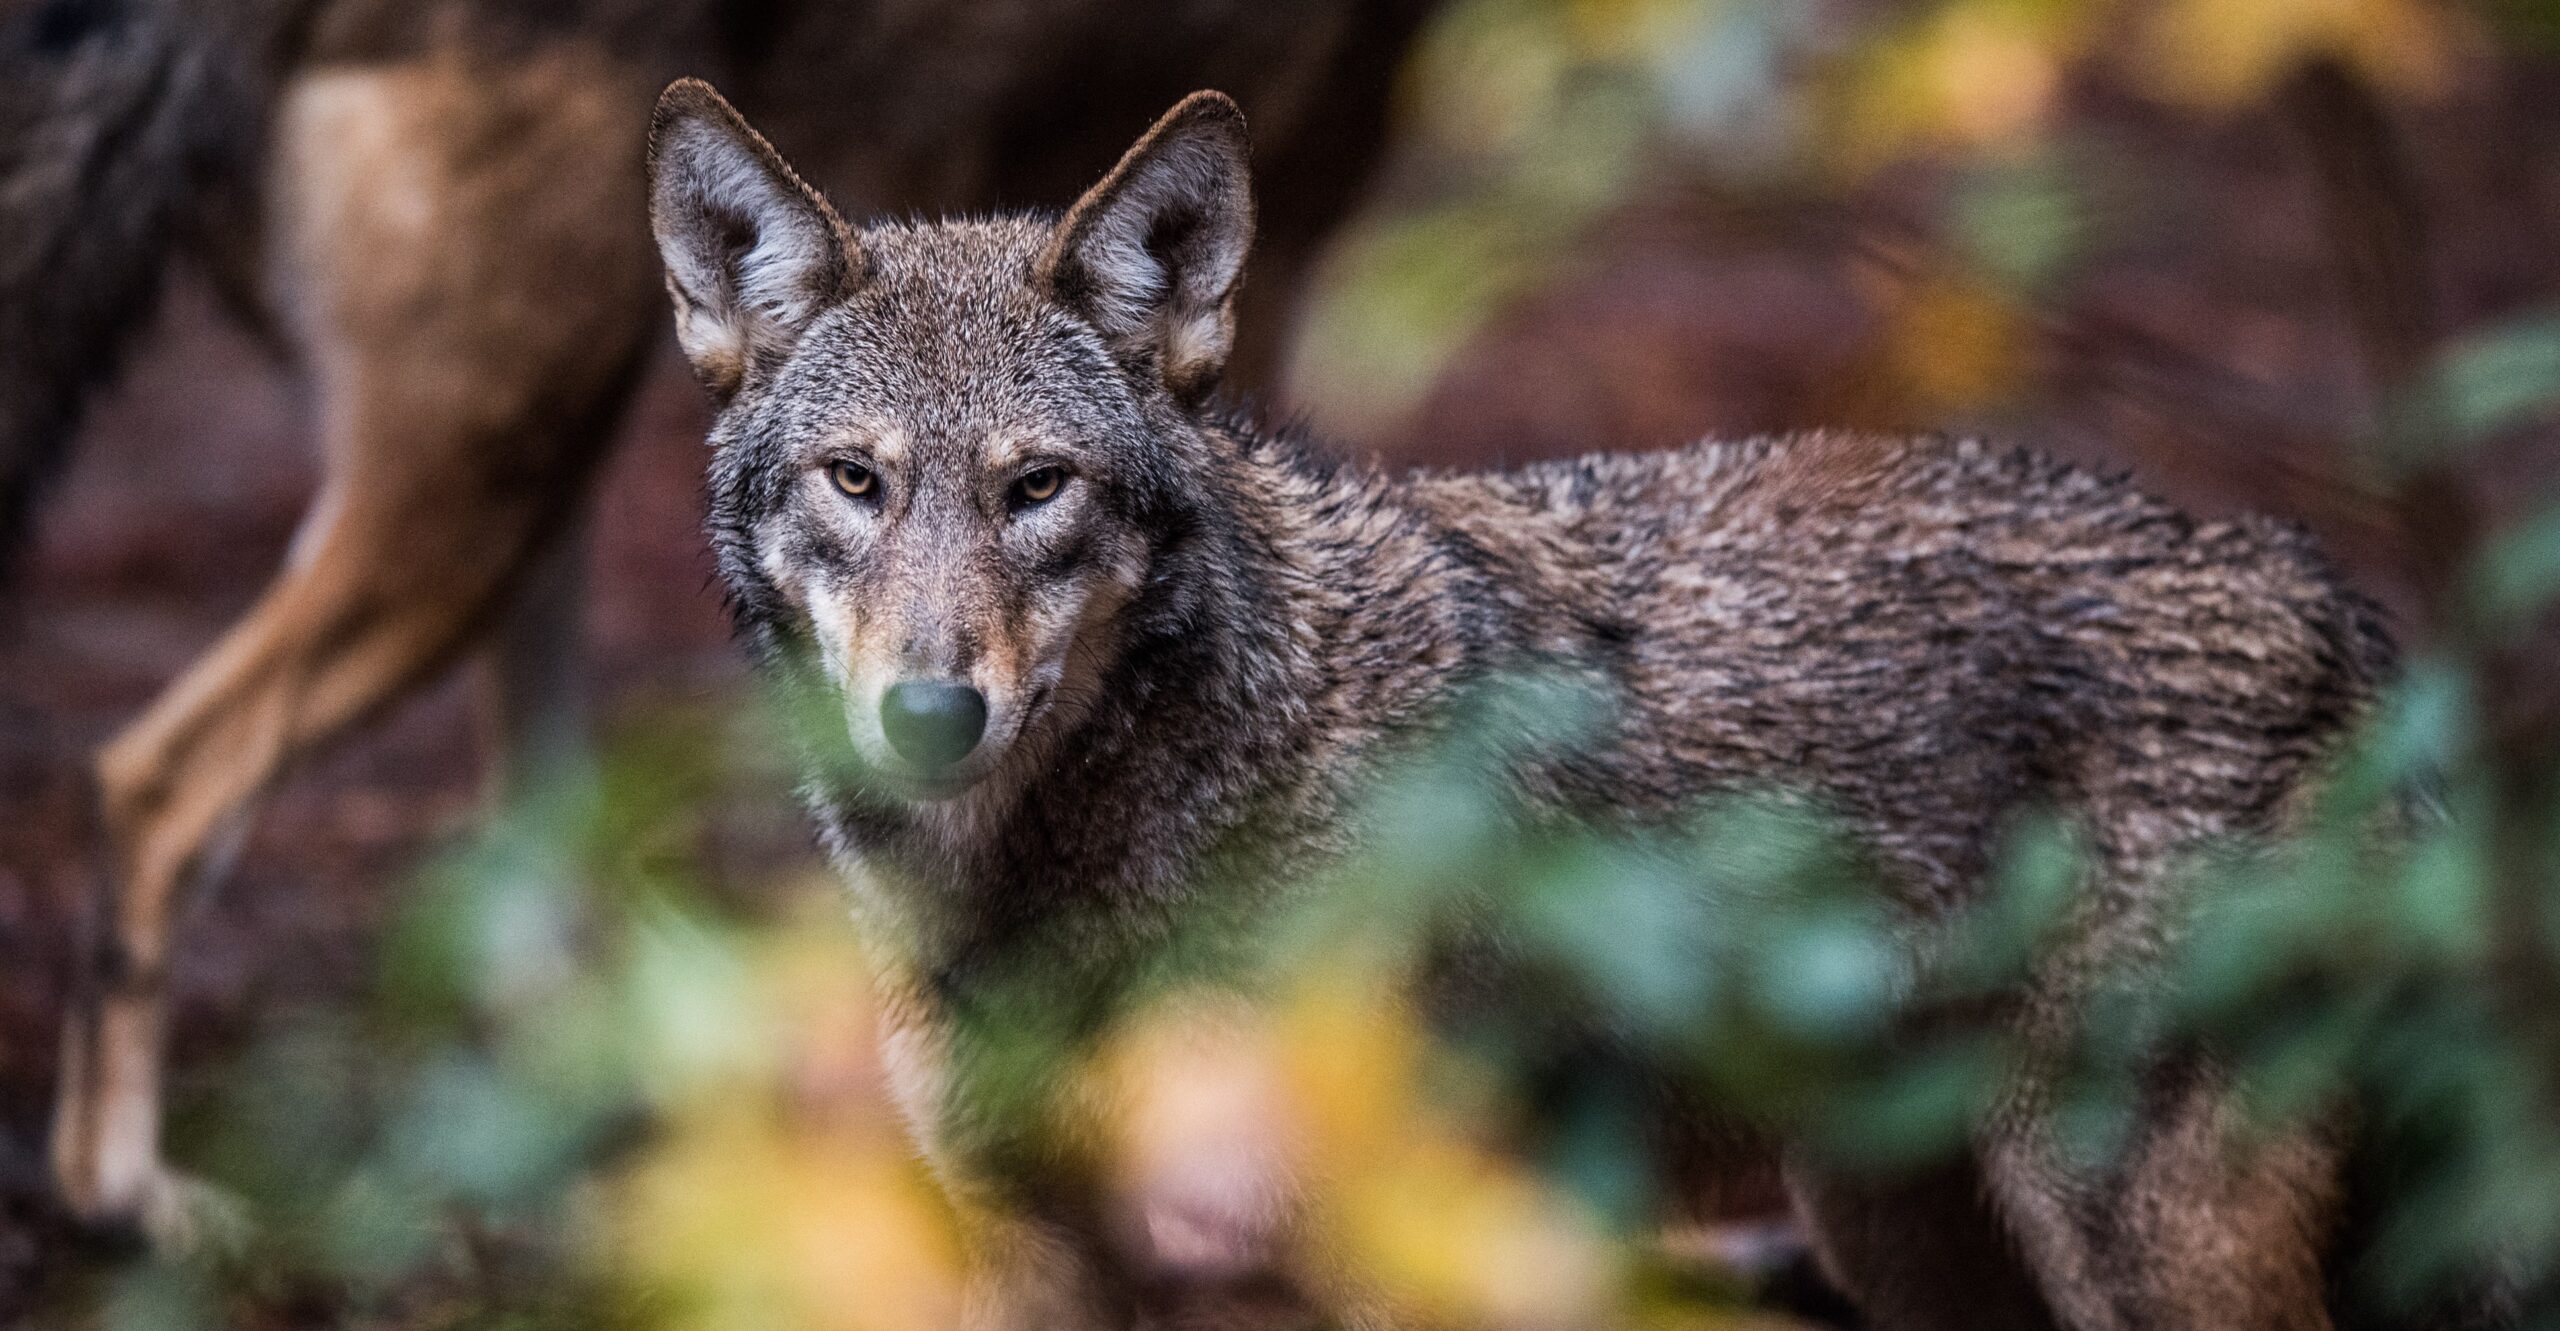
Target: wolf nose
[(933, 724)]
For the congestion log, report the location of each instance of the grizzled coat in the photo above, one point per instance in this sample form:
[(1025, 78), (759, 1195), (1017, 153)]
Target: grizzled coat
[(979, 452)]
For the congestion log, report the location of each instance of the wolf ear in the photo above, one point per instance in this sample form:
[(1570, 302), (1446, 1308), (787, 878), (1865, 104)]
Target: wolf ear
[(752, 253), (1153, 255)]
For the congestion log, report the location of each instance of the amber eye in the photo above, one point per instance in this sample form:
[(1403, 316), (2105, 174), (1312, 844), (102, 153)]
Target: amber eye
[(854, 479), (1039, 485)]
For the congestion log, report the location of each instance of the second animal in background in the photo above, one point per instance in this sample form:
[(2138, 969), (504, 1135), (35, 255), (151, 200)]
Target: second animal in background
[(436, 208)]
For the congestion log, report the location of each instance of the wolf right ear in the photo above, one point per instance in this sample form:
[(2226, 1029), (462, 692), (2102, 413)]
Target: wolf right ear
[(752, 253), (1153, 255)]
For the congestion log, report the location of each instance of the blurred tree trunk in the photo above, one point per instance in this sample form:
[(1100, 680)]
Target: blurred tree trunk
[(2374, 214)]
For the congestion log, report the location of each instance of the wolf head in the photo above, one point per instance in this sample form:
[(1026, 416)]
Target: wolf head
[(950, 458)]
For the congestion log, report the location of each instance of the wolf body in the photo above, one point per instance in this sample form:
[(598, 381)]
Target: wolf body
[(434, 210), (1096, 656)]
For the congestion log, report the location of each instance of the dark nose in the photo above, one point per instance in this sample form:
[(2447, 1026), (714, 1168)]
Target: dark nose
[(933, 724)]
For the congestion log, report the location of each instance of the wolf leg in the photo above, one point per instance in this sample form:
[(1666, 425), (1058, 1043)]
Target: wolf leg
[(2202, 1221), (1922, 1252), (461, 256)]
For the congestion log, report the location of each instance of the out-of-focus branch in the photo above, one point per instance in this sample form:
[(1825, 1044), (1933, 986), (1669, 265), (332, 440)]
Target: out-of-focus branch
[(2375, 217), (2375, 221)]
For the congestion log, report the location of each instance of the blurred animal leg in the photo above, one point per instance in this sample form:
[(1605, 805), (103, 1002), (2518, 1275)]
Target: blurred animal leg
[(463, 260), (338, 635), (2202, 1221), (1918, 1252)]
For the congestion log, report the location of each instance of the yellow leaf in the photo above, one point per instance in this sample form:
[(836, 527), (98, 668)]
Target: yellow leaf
[(787, 1194), (2220, 53), (744, 1223), (1978, 74), (1468, 1238), (1956, 344)]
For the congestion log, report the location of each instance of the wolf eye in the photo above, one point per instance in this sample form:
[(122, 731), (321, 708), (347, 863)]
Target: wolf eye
[(854, 479), (1038, 486)]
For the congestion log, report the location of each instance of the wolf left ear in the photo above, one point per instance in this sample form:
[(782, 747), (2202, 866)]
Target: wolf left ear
[(1153, 255), (752, 253)]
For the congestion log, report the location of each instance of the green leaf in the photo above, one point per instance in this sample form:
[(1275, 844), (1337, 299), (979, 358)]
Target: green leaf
[(2494, 381), (2517, 577)]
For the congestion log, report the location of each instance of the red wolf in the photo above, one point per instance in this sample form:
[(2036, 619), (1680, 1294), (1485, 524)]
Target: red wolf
[(1099, 653)]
